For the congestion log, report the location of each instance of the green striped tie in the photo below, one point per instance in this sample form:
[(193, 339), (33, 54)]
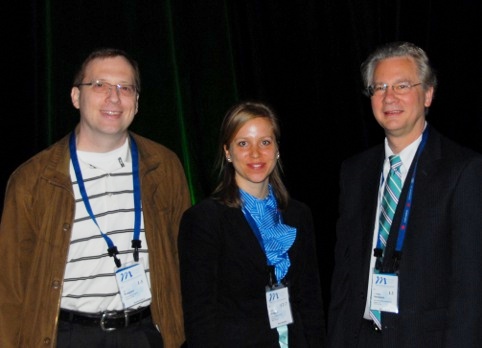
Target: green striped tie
[(391, 193)]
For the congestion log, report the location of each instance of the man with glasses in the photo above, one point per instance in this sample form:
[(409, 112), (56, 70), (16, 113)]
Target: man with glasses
[(89, 227), (408, 255)]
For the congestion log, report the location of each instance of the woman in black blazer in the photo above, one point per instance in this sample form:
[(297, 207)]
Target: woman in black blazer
[(249, 271)]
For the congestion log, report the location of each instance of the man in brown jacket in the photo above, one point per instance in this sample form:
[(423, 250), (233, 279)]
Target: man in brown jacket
[(89, 227)]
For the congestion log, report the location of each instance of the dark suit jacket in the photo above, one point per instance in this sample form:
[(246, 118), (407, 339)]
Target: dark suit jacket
[(223, 279), (440, 279)]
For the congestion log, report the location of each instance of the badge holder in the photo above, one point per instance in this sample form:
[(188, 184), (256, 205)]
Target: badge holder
[(132, 283)]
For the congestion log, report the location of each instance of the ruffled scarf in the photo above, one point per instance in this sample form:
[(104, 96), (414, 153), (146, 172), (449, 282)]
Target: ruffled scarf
[(275, 237)]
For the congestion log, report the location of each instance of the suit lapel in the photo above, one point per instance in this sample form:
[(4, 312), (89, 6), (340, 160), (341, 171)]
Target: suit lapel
[(427, 164)]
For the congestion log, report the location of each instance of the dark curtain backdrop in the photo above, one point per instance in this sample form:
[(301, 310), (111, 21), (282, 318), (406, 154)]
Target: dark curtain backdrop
[(197, 58)]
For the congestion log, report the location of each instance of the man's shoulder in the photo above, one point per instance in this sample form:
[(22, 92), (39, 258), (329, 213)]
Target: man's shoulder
[(154, 152), (51, 163), (450, 148), (54, 155), (362, 157), (147, 143)]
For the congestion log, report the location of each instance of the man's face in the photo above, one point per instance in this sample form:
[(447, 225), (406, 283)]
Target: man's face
[(106, 112), (400, 115)]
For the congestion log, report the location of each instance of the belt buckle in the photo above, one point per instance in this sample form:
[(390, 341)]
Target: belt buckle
[(106, 315)]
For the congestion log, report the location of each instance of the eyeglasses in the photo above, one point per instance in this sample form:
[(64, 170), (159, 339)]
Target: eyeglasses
[(398, 88), (105, 88)]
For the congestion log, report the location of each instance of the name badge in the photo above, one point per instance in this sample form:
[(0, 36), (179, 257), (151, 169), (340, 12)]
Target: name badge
[(278, 304), (384, 293), (132, 283)]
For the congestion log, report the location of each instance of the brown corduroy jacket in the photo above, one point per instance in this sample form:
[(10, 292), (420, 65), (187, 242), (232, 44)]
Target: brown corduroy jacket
[(35, 231)]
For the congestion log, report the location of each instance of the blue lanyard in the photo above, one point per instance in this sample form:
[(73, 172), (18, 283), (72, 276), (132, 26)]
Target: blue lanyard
[(402, 229), (136, 243), (254, 227)]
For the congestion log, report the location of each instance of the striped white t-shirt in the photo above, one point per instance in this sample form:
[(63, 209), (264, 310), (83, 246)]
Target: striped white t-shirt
[(89, 281)]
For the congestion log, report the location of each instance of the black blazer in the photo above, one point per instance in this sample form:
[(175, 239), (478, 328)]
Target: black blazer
[(223, 279), (440, 273)]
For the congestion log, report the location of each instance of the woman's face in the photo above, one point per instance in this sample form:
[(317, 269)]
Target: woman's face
[(253, 153)]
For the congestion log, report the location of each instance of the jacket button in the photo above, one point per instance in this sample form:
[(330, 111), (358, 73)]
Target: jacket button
[(47, 341), (66, 227), (56, 284)]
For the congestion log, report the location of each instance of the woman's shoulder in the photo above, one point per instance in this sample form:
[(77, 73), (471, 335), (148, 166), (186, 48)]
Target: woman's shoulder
[(207, 206), (297, 209), (297, 205)]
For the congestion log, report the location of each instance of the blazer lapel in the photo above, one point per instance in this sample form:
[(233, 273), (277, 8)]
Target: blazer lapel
[(427, 164)]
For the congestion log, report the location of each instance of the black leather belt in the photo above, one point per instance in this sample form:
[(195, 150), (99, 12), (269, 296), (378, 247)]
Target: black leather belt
[(107, 321)]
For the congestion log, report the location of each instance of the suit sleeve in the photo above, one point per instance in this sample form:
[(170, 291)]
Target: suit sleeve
[(16, 235), (465, 307), (198, 254), (308, 294)]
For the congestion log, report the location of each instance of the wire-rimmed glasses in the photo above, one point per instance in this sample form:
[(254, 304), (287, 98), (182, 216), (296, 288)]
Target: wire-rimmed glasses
[(401, 88), (99, 86)]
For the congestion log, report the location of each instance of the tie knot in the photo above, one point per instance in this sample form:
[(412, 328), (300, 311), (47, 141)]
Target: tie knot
[(395, 162)]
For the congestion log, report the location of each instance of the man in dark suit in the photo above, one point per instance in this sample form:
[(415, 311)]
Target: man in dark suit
[(425, 279)]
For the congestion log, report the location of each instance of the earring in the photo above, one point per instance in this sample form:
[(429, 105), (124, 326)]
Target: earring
[(228, 159), (277, 156)]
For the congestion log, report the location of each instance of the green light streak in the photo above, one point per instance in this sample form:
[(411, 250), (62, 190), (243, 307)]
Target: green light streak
[(48, 68), (179, 102)]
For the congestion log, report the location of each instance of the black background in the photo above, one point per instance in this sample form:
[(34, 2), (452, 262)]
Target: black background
[(197, 58)]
